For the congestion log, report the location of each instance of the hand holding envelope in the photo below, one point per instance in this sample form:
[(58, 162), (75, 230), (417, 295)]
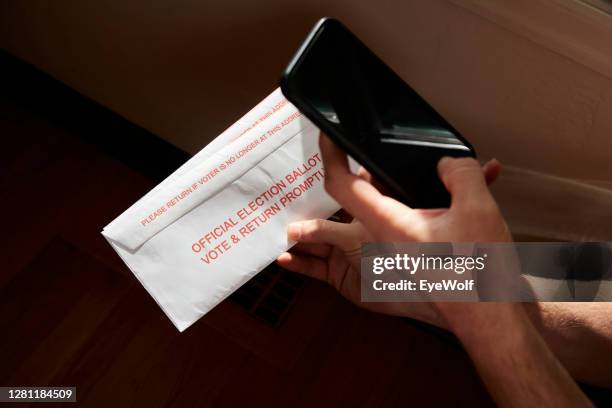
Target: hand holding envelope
[(222, 217)]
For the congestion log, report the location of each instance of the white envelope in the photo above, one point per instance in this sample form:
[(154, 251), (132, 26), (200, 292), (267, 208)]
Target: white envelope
[(222, 216)]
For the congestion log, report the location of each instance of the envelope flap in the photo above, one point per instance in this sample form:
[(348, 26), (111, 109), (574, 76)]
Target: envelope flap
[(259, 133)]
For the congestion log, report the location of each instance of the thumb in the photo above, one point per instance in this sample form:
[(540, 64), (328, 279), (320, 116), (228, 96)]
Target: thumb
[(347, 237), (464, 180)]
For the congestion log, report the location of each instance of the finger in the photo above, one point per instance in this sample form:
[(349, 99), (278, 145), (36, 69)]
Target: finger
[(464, 180), (304, 264), (320, 250), (491, 170), (357, 196), (345, 236)]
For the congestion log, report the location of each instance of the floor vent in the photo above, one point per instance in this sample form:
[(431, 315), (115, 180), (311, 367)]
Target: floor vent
[(270, 294)]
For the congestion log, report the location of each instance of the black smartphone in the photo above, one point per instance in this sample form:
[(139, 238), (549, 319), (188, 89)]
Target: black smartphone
[(372, 114)]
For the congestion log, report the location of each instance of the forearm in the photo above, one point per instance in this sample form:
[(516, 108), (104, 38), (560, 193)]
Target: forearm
[(511, 357), (580, 335)]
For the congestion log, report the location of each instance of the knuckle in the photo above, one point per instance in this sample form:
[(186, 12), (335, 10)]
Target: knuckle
[(318, 225), (467, 162), (311, 227), (460, 170), (462, 167)]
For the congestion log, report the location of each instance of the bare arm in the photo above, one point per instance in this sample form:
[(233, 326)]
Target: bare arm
[(511, 357), (509, 352), (580, 335)]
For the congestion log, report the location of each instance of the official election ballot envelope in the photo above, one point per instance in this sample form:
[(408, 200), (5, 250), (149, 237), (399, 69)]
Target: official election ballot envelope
[(222, 216)]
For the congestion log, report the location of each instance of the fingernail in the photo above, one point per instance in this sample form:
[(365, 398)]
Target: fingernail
[(444, 161), (294, 231), (285, 256)]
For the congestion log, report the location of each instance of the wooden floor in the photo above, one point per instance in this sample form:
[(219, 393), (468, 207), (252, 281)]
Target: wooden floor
[(72, 314)]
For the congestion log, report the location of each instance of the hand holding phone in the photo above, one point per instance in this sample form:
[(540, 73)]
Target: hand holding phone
[(372, 114)]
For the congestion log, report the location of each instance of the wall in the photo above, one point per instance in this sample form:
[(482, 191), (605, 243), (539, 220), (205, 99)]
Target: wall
[(187, 69)]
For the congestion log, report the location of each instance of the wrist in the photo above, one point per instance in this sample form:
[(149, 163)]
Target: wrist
[(477, 321)]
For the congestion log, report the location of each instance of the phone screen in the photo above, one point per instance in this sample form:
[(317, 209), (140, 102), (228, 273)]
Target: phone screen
[(377, 113)]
